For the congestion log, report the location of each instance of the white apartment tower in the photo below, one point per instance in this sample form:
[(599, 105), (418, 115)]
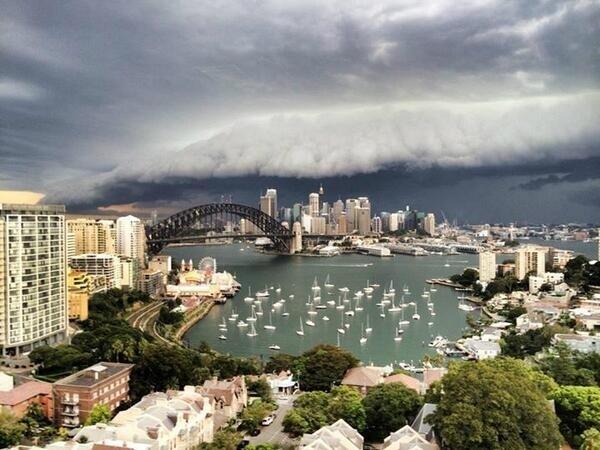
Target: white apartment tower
[(429, 224), (33, 277), (131, 238), (487, 266)]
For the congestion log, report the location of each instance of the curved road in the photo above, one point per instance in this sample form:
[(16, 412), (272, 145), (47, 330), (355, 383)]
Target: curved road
[(145, 320)]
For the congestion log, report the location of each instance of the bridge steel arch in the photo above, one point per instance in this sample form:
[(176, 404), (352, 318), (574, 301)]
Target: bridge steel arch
[(167, 230)]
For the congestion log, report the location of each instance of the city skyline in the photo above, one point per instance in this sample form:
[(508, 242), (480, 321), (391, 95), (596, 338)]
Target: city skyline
[(450, 109)]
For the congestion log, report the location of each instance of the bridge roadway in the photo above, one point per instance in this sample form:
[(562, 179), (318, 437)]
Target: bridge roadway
[(234, 236)]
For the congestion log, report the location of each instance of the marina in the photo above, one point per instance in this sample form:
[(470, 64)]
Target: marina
[(351, 299)]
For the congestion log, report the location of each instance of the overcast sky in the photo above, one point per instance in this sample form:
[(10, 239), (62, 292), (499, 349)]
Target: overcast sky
[(488, 110)]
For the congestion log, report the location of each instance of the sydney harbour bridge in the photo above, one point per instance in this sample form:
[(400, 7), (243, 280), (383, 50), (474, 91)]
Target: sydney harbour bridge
[(177, 227)]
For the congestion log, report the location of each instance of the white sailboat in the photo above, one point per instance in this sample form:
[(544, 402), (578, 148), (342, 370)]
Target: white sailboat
[(270, 325), (274, 347), (382, 313), (402, 320), (405, 289), (223, 337), (249, 299), (343, 289), (398, 337), (368, 329), (252, 332), (263, 293), (260, 311), (340, 304), (432, 310), (328, 284), (357, 307), (368, 289), (363, 338), (242, 324), (394, 308), (416, 315), (284, 313), (325, 318), (309, 322), (392, 290), (278, 290), (315, 287), (425, 294), (223, 325), (311, 311), (300, 332), (252, 317), (341, 329)]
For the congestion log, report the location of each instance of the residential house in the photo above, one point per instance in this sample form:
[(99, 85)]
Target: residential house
[(74, 396), (18, 398), (337, 436), (422, 426), (407, 439), (364, 378), (479, 349), (491, 334), (281, 383), (230, 396), (579, 342), (406, 380)]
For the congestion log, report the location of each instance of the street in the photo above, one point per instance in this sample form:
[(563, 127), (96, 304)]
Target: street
[(274, 433)]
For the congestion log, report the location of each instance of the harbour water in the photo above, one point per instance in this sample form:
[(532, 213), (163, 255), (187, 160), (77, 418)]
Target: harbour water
[(295, 276)]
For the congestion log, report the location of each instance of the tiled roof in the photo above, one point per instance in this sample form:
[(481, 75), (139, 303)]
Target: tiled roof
[(24, 392), (363, 376), (406, 380)]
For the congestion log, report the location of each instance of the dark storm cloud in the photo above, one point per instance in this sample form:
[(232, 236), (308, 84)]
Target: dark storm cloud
[(102, 95)]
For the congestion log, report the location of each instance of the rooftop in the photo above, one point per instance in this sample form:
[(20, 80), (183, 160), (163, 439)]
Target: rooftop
[(24, 392), (95, 374)]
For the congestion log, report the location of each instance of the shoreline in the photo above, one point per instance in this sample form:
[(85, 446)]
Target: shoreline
[(195, 316)]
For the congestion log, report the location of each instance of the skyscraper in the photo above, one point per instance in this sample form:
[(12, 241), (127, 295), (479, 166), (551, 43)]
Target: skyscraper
[(92, 236), (33, 277), (487, 266), (313, 204), (429, 224), (376, 225), (351, 205), (530, 258), (363, 220), (272, 196), (131, 241)]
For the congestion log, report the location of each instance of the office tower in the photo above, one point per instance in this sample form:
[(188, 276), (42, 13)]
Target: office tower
[(297, 233), (287, 214), (338, 209), (325, 209), (33, 277), (363, 220), (313, 204), (376, 225), (487, 266), (342, 224), (393, 223), (268, 203), (351, 205), (429, 224), (385, 221), (306, 223), (99, 265), (318, 225), (296, 212), (364, 202), (401, 220), (528, 259), (131, 239)]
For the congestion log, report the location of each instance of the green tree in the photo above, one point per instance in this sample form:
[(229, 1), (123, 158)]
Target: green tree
[(295, 423), (261, 388), (489, 405), (11, 430), (324, 366), (224, 439), (100, 413), (567, 369), (590, 440), (578, 408), (389, 407), (346, 403), (253, 415), (310, 412), (264, 447)]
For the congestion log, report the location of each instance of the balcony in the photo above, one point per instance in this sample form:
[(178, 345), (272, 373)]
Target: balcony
[(70, 423), (71, 412), (69, 401)]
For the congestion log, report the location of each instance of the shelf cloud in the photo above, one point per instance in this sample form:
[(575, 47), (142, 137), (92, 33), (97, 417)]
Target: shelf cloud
[(114, 98)]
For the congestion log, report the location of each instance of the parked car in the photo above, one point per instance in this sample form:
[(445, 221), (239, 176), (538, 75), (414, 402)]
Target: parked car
[(243, 444), (268, 420), (255, 432)]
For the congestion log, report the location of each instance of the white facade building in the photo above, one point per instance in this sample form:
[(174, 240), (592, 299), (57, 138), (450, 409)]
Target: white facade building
[(487, 266), (131, 238), (33, 277), (108, 266)]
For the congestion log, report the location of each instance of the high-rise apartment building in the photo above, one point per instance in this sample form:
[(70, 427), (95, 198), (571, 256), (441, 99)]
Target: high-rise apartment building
[(131, 241), (487, 266), (268, 203), (376, 225), (342, 224), (33, 277), (318, 225), (530, 258), (338, 209), (351, 205), (100, 265), (394, 223), (92, 236), (429, 224)]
